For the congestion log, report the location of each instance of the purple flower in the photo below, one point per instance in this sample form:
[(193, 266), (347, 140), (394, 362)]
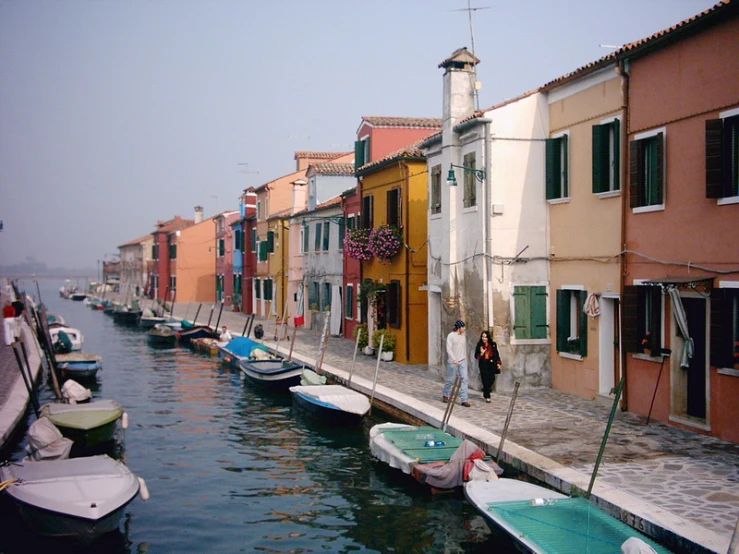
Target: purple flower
[(385, 241)]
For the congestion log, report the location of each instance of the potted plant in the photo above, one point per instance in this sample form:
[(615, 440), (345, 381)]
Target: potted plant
[(573, 345), (361, 332), (388, 343), (385, 242), (356, 244)]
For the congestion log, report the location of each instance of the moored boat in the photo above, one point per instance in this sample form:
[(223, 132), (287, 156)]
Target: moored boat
[(237, 349), (80, 366), (76, 339), (87, 424), (125, 316), (334, 404), (186, 334), (161, 335), (274, 373), (78, 497)]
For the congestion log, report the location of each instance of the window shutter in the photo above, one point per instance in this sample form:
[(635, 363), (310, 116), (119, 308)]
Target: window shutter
[(262, 250), (660, 139), (393, 207), (583, 324), (258, 288), (392, 299), (630, 319), (253, 240), (270, 241), (268, 289), (564, 156), (326, 234), (721, 327), (358, 154), (635, 149), (655, 318), (342, 232), (552, 169), (306, 238), (616, 154), (349, 302), (714, 158), (522, 324), (600, 158), (563, 319), (538, 312), (317, 244), (367, 215)]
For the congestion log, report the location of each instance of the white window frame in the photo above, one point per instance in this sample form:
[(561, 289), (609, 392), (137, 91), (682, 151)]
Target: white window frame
[(729, 199), (655, 207), (614, 192)]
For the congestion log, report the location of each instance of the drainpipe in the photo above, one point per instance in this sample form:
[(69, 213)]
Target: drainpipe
[(406, 231), (623, 72), (488, 320)]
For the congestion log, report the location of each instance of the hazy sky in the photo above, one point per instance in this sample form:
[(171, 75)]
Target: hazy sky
[(116, 114)]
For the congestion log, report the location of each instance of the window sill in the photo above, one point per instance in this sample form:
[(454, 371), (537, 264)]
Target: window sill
[(647, 357), (609, 194), (564, 200), (570, 356), (522, 342), (471, 209), (436, 216), (728, 371), (728, 200), (647, 209)]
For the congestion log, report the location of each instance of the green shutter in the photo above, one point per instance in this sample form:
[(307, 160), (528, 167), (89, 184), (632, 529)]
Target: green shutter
[(306, 238), (262, 250), (538, 312), (522, 303), (600, 158), (258, 288), (583, 324), (616, 154), (563, 319), (253, 240), (563, 159), (552, 169), (270, 241), (318, 237), (359, 160), (268, 289), (342, 232), (326, 234), (636, 186)]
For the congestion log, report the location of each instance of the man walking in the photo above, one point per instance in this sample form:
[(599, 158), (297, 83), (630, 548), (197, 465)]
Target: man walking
[(456, 352)]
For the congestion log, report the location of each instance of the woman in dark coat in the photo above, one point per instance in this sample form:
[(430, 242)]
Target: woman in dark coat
[(488, 360)]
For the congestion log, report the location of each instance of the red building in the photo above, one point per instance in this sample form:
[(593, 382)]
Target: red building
[(164, 250)]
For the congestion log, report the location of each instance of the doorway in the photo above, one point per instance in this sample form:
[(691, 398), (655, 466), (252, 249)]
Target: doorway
[(695, 311)]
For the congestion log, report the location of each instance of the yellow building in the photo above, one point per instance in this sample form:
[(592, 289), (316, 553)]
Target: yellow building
[(394, 199), (277, 261)]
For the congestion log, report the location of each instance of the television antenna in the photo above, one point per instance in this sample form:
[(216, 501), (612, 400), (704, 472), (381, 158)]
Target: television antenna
[(245, 171), (469, 9)]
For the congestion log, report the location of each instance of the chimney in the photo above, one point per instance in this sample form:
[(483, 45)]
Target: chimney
[(198, 214), (459, 90)]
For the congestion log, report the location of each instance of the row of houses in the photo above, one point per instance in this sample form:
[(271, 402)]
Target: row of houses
[(591, 224)]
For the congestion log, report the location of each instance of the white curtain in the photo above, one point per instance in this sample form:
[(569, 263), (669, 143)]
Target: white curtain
[(682, 324), (299, 309), (336, 312)]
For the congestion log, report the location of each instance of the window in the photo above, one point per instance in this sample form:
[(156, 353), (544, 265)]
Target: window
[(606, 159), (572, 322), (351, 222), (172, 251), (349, 301), (319, 228), (435, 194), (393, 208), (361, 152), (238, 243), (470, 181), (359, 304), (646, 173), (342, 228), (392, 303), (642, 318), (326, 234), (367, 213), (262, 251), (154, 251), (306, 238), (236, 284), (722, 157), (259, 210), (313, 296), (268, 289), (253, 245), (173, 283), (725, 327), (557, 167), (270, 241), (326, 297), (258, 288), (221, 247), (530, 312)]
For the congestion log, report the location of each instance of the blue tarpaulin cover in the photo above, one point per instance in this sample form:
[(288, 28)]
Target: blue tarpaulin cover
[(243, 346)]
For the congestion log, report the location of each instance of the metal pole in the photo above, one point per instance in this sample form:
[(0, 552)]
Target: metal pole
[(292, 343), (507, 421), (351, 370), (452, 400), (664, 352), (605, 435), (29, 386), (377, 370)]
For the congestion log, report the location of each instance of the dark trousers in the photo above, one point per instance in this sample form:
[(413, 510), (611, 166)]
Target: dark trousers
[(487, 374)]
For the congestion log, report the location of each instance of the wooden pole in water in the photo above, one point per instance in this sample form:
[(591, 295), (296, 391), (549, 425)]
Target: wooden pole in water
[(354, 358), (292, 343), (377, 370), (218, 321), (605, 435), (507, 421), (734, 544), (196, 314), (452, 400), (210, 317)]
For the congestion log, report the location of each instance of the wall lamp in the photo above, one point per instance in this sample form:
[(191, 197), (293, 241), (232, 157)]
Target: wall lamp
[(451, 179)]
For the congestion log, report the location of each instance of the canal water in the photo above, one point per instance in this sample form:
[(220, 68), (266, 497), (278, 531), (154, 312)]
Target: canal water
[(232, 468)]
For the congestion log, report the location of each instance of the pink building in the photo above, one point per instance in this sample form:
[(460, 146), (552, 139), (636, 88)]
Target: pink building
[(681, 282)]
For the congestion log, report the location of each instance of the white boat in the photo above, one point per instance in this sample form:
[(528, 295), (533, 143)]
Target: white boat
[(336, 404), (75, 336), (432, 456), (543, 521), (87, 424), (79, 497)]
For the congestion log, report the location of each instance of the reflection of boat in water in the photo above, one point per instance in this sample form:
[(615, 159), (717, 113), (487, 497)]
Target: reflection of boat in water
[(544, 521), (78, 497)]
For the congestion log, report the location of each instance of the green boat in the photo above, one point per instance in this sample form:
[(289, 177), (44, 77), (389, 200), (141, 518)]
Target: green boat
[(88, 424)]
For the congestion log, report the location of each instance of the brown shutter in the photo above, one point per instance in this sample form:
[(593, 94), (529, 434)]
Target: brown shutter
[(630, 318), (714, 161), (634, 188), (720, 340), (655, 318)]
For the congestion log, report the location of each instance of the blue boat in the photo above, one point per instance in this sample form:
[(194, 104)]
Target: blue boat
[(237, 349), (80, 366), (273, 373)]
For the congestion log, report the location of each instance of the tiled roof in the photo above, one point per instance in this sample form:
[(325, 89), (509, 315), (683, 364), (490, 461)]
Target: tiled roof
[(280, 214), (330, 202), (136, 241), (349, 192), (417, 122), (173, 224), (300, 154), (331, 168), (412, 150)]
